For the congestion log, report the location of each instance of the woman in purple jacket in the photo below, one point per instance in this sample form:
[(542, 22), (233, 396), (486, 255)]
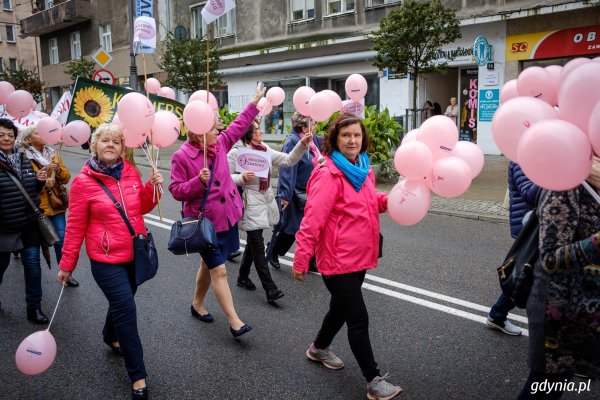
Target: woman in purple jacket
[(189, 184)]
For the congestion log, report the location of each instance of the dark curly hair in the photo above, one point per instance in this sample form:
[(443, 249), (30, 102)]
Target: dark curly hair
[(344, 120), (7, 123), (247, 138)]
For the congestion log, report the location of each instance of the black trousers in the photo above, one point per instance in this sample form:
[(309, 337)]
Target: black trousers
[(255, 252), (283, 243), (348, 306)]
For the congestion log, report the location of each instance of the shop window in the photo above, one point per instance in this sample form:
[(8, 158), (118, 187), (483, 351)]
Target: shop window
[(53, 49), (224, 25), (302, 9), (339, 6)]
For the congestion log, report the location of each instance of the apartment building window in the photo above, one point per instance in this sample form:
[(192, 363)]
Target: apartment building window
[(374, 3), (339, 6), (53, 49), (75, 46), (7, 5), (12, 64), (1, 66), (224, 26), (302, 9), (106, 38), (10, 33)]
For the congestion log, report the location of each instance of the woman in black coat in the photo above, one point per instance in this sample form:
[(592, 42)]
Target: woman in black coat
[(19, 229)]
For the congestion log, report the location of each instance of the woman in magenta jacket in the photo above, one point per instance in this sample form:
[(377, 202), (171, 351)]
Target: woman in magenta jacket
[(189, 184), (341, 222), (109, 245)]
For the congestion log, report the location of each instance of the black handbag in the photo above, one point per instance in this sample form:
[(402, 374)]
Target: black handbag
[(299, 198), (516, 273), (193, 234), (145, 256), (47, 229)]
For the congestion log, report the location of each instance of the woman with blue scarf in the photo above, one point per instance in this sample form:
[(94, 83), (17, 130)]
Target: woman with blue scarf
[(341, 224)]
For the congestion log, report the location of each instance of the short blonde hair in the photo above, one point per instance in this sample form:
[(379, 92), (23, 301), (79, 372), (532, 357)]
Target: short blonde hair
[(24, 135), (106, 129)]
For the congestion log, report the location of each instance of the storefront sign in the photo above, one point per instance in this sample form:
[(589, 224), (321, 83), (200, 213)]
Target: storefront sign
[(491, 78), (489, 101), (456, 56), (467, 117), (249, 160), (482, 51), (554, 44)]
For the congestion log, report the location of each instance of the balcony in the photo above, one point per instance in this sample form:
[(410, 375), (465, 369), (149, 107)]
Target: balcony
[(55, 18)]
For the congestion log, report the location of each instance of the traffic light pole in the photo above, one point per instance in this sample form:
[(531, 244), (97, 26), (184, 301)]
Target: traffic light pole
[(133, 77)]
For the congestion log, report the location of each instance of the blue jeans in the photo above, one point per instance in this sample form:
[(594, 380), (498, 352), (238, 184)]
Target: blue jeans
[(30, 257), (116, 282), (59, 222), (500, 310)]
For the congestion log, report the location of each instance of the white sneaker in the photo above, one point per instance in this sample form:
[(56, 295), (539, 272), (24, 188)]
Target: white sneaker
[(505, 327)]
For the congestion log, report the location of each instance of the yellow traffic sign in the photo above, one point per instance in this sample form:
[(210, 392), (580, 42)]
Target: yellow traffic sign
[(102, 57)]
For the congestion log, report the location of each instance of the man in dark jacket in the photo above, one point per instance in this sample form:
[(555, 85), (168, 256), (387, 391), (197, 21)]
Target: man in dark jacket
[(19, 230), (523, 196)]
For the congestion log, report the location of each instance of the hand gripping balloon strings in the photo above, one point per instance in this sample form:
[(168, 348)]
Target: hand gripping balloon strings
[(56, 307), (320, 158)]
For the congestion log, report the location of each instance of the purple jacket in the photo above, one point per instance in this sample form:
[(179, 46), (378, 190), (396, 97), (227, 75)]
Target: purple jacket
[(224, 206)]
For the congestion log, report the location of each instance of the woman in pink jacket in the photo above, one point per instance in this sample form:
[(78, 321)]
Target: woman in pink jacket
[(94, 217), (341, 222), (189, 183)]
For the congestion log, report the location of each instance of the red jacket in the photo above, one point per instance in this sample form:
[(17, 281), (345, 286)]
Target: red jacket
[(92, 215), (341, 224)]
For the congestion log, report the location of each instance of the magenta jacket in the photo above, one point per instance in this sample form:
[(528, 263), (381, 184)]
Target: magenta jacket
[(339, 223), (224, 206)]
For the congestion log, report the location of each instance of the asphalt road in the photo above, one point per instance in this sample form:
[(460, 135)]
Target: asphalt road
[(427, 303)]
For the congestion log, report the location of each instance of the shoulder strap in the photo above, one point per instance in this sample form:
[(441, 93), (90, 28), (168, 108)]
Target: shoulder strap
[(118, 206), (24, 191), (207, 190)]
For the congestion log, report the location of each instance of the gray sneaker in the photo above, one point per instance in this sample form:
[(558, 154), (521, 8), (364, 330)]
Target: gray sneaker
[(325, 357), (380, 389), (505, 326)]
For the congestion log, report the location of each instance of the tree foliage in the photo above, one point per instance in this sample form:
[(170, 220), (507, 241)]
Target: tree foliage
[(83, 67), (409, 38), (26, 79), (185, 63)]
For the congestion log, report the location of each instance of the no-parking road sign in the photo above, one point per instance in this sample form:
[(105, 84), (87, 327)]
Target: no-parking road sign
[(104, 76)]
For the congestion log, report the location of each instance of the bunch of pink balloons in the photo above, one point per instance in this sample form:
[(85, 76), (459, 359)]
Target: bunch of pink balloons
[(549, 123), (431, 159)]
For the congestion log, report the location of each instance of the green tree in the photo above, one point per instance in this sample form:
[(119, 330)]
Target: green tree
[(83, 67), (26, 79), (409, 38), (185, 63)]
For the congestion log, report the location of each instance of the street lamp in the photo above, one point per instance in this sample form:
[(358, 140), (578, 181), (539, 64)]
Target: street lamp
[(133, 77)]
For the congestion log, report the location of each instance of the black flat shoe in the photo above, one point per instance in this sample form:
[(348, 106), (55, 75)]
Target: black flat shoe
[(273, 295), (244, 329), (115, 350), (274, 261), (72, 282), (139, 393), (36, 316), (246, 283), (204, 318), (234, 255)]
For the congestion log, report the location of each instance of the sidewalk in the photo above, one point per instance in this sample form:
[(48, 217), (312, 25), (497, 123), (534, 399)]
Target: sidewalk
[(483, 200)]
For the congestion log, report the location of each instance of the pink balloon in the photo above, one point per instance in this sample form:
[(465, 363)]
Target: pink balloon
[(336, 100), (275, 95), (450, 177), (594, 129), (408, 202), (166, 129), (509, 91), (136, 112), (413, 160), (167, 92), (40, 114), (410, 136), (6, 89), (134, 139), (537, 82), (117, 121), (36, 353), (471, 154), (76, 133), (356, 87), (264, 107), (555, 155), (440, 134), (302, 96), (50, 130), (554, 71), (320, 107), (19, 103), (352, 107), (152, 85), (512, 118), (199, 117), (571, 65), (201, 95), (579, 93)]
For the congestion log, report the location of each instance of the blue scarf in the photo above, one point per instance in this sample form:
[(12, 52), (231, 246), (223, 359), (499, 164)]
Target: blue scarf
[(114, 170), (356, 174)]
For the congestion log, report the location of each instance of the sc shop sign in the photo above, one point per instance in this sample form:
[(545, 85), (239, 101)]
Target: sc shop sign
[(520, 47)]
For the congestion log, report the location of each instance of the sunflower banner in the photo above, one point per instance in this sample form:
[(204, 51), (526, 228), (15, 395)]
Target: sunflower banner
[(96, 103)]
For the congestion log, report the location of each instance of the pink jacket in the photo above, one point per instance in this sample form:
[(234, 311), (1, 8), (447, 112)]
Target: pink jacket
[(92, 215), (223, 207), (341, 224)]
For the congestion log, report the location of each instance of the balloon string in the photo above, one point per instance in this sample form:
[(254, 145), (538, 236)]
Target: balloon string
[(56, 307), (591, 191)]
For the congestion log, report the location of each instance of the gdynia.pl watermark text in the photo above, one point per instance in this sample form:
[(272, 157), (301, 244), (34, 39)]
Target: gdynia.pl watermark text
[(566, 386)]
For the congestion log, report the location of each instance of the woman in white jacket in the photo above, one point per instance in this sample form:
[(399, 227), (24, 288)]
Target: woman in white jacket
[(260, 207)]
